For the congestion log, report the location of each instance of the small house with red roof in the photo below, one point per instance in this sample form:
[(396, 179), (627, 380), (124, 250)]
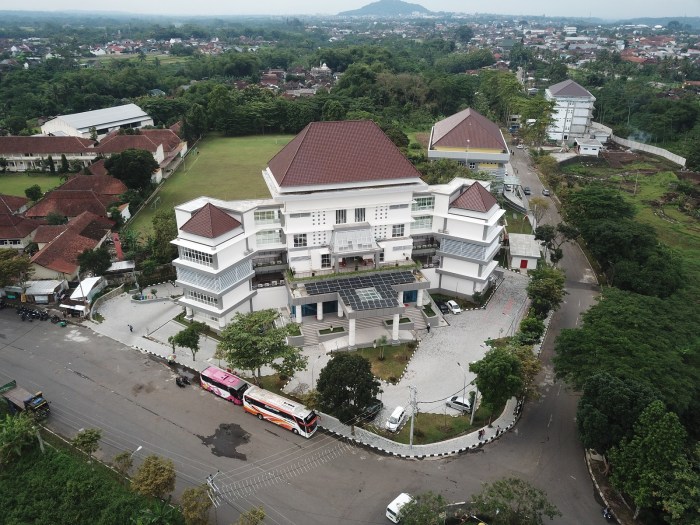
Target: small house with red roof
[(348, 221), (16, 231)]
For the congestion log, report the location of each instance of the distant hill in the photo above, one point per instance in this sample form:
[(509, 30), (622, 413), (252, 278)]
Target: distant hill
[(387, 8)]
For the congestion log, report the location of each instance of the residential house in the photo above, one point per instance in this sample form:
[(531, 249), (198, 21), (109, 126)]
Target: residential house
[(71, 203), (344, 201), (16, 231), (573, 111), (58, 259), (102, 120), (471, 139)]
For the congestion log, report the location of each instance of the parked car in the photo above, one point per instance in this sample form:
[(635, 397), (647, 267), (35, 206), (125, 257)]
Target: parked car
[(545, 192), (453, 306), (396, 419), (460, 403), (507, 187), (520, 146), (526, 190), (442, 307), (371, 411), (393, 510)]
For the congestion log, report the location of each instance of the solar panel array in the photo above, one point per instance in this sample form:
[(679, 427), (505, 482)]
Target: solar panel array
[(382, 282)]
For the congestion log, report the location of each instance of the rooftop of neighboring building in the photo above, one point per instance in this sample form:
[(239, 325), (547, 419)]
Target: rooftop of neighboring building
[(11, 203), (43, 144), (569, 88), (468, 129), (101, 117)]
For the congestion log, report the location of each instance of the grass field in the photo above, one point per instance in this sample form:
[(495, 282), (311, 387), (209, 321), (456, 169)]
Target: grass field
[(227, 168), (16, 183)]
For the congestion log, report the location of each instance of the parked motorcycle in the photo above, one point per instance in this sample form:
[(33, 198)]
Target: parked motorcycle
[(607, 514)]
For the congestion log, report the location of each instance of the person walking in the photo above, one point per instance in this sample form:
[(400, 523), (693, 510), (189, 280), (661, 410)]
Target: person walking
[(131, 328)]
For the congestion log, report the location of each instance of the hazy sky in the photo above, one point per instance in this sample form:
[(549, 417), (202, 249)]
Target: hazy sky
[(606, 9)]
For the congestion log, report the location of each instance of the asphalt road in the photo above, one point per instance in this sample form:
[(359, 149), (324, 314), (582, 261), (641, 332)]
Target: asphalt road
[(95, 382)]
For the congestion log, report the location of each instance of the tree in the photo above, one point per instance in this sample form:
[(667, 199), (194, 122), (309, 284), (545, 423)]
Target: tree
[(51, 165), (644, 463), (346, 386), (498, 376), (464, 34), (530, 366), (56, 218), (513, 501), (88, 440), (189, 337), (531, 330), (123, 462), (134, 167), (155, 477), (195, 505), (546, 290), (33, 192), (254, 516), (425, 509), (164, 231), (553, 238), (608, 409), (538, 207), (14, 268), (253, 340), (195, 124), (96, 261), (65, 167), (16, 434), (333, 110)]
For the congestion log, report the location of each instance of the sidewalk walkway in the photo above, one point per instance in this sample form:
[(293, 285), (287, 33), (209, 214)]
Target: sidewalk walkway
[(438, 369)]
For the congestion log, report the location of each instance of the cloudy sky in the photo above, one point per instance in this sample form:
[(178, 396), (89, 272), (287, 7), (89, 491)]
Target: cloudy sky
[(606, 9)]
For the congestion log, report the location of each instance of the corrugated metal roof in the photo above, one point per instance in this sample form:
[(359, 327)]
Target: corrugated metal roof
[(101, 117)]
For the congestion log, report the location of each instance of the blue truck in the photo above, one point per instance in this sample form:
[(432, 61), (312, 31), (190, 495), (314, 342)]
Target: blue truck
[(20, 400)]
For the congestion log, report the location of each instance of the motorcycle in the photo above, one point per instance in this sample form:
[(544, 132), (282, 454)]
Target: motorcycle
[(179, 382), (607, 514)]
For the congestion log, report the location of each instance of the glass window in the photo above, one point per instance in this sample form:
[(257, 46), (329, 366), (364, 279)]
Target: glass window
[(203, 298), (424, 222), (398, 206), (423, 203), (397, 230), (472, 165), (265, 216), (300, 240), (268, 237), (359, 215), (341, 216), (198, 257), (326, 260)]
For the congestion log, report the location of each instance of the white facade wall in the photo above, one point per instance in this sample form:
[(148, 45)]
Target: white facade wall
[(572, 118)]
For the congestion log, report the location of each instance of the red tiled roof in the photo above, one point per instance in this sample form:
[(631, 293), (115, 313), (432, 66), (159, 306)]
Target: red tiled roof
[(475, 198), (44, 145), (71, 203), (48, 232), (210, 221), (467, 129), (16, 227), (11, 203), (100, 184), (167, 137), (340, 152), (568, 88), (117, 143), (98, 167), (82, 233)]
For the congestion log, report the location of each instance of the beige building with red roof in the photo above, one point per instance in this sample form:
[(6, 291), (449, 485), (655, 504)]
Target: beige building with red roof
[(351, 216), (58, 258), (31, 153), (15, 231), (472, 140)]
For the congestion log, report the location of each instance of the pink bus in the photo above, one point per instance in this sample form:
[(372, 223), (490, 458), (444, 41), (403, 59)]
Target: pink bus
[(223, 384)]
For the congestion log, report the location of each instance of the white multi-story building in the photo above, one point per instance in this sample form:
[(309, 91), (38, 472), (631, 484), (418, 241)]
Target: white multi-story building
[(573, 111), (347, 218)]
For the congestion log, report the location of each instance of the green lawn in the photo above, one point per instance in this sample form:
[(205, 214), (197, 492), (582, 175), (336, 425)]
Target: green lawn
[(227, 168), (16, 183)]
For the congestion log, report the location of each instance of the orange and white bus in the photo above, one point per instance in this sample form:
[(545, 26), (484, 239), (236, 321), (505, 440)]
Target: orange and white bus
[(280, 411), (223, 384)]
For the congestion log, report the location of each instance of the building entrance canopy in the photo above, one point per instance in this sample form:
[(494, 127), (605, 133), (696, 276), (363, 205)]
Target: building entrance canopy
[(353, 240)]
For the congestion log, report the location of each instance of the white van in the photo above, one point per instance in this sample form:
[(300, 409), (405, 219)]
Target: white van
[(394, 508), (395, 419)]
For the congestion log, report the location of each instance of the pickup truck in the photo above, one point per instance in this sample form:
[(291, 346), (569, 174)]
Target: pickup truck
[(20, 400)]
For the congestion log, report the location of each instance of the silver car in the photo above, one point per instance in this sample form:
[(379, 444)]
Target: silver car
[(460, 403)]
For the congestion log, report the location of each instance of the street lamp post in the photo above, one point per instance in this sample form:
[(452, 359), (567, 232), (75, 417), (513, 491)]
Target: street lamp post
[(135, 451), (464, 387)]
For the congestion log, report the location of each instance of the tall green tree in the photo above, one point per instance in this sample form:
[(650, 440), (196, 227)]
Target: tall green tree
[(164, 231), (96, 261), (253, 340), (499, 376), (195, 505), (14, 268), (33, 192), (425, 509), (88, 440), (189, 337), (546, 290), (643, 464), (346, 386), (16, 434), (513, 501), (134, 167)]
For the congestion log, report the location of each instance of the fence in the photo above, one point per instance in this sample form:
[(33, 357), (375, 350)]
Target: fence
[(660, 152)]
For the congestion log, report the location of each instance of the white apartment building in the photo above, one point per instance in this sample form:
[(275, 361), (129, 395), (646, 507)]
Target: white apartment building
[(347, 218), (573, 111)]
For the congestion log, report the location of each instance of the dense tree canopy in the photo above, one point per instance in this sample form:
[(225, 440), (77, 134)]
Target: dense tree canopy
[(499, 376), (134, 167), (513, 501)]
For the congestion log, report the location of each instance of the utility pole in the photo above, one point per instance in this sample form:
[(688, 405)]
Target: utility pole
[(414, 409), (213, 492)]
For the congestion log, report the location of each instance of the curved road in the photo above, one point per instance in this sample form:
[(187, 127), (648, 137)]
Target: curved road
[(93, 381)]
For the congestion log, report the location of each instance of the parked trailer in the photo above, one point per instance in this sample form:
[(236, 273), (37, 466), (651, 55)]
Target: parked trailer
[(20, 400)]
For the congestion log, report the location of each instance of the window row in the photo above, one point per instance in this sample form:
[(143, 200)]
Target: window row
[(195, 256), (203, 298)]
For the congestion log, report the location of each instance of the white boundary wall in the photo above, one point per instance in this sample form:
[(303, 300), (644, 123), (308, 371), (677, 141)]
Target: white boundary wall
[(642, 147)]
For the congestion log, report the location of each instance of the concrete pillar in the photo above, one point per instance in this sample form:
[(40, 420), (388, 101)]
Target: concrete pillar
[(340, 309), (297, 317), (319, 311), (188, 312), (351, 333), (395, 329), (400, 298), (419, 301)]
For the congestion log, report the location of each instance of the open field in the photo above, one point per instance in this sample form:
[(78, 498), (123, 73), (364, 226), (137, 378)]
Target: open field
[(16, 183), (227, 168)]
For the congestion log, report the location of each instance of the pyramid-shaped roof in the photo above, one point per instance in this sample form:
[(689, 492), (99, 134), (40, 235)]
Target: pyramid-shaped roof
[(210, 221), (569, 88), (467, 129), (475, 198), (340, 152)]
